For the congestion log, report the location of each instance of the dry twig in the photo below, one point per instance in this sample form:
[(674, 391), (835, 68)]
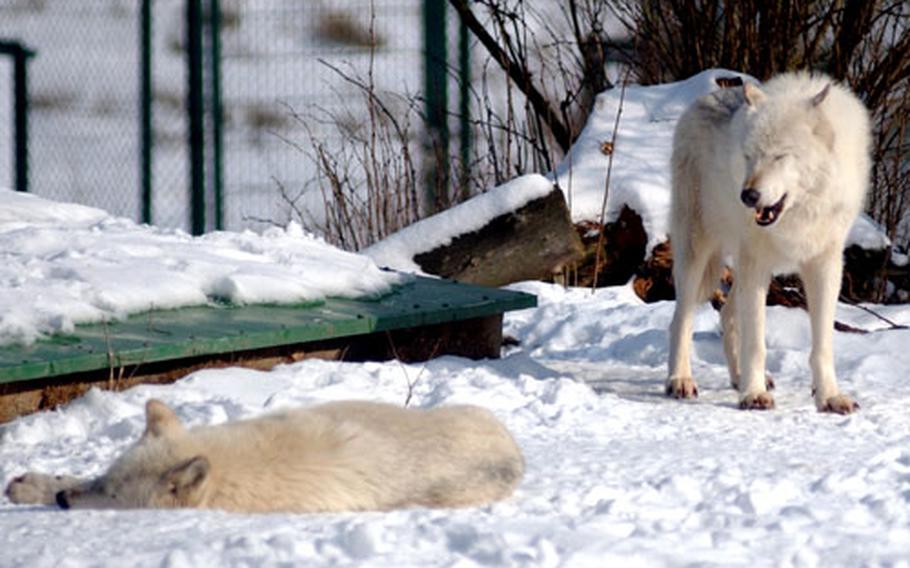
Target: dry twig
[(603, 207)]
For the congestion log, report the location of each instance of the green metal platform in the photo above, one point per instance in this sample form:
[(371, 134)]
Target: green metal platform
[(170, 335)]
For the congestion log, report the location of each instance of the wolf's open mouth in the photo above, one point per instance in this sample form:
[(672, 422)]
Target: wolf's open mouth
[(765, 216)]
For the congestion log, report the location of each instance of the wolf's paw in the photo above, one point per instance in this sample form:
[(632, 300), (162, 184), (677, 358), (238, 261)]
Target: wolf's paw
[(769, 383), (757, 401), (36, 488), (839, 404), (682, 388)]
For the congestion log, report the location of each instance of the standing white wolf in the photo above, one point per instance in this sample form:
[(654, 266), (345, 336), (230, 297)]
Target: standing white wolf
[(772, 178), (341, 456)]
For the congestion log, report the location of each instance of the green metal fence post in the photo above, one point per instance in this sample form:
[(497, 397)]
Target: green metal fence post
[(436, 92), (216, 111), (20, 55), (464, 108), (20, 85), (196, 118), (145, 106)]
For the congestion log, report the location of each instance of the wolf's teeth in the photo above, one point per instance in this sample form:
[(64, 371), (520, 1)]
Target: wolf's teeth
[(765, 216)]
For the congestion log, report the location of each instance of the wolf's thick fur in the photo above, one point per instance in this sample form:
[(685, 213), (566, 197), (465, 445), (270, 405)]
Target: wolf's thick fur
[(341, 456), (773, 179)]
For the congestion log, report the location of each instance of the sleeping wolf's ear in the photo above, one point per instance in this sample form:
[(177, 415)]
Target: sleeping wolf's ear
[(821, 96), (753, 95), (186, 478), (160, 420)]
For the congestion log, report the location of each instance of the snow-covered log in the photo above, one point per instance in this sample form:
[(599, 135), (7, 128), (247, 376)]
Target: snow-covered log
[(521, 230), (530, 243)]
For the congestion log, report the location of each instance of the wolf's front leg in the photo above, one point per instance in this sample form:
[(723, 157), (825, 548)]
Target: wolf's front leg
[(751, 290), (822, 279), (730, 327), (39, 488), (688, 273)]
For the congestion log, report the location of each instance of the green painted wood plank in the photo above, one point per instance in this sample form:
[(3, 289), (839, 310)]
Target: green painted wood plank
[(164, 335)]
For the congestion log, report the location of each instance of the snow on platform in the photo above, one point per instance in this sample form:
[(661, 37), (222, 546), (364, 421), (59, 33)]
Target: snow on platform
[(63, 264)]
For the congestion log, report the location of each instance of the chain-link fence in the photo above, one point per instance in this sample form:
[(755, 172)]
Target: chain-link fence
[(282, 66), (289, 71), (83, 97)]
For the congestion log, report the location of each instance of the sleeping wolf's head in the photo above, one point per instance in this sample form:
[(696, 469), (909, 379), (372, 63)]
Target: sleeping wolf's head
[(159, 471), (786, 143)]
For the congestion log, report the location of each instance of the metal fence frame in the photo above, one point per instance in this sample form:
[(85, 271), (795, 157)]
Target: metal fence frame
[(201, 25), (20, 56)]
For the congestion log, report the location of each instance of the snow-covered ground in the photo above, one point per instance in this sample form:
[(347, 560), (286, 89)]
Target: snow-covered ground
[(617, 474)]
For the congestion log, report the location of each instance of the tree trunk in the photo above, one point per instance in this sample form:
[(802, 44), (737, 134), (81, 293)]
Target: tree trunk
[(530, 243)]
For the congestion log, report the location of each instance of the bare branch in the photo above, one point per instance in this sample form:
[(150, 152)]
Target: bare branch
[(518, 73)]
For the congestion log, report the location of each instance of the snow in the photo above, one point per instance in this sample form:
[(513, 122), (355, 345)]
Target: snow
[(64, 264), (616, 472), (867, 234)]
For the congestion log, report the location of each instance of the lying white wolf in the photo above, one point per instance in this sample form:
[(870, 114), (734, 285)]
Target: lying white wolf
[(341, 456), (772, 178)]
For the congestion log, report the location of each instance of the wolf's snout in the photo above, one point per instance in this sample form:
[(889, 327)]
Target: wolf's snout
[(750, 197), (62, 502)]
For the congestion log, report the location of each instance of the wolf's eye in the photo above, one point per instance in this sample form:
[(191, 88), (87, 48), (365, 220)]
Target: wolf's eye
[(779, 157)]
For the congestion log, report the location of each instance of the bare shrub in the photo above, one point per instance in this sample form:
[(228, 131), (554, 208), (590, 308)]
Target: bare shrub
[(552, 54), (369, 184), (368, 181)]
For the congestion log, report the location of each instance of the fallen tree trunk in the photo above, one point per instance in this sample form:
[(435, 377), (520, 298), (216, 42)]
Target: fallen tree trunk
[(862, 279), (533, 242)]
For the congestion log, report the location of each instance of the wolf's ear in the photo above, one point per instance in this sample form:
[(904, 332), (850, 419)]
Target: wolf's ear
[(160, 420), (753, 95), (824, 132), (185, 478), (821, 96)]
